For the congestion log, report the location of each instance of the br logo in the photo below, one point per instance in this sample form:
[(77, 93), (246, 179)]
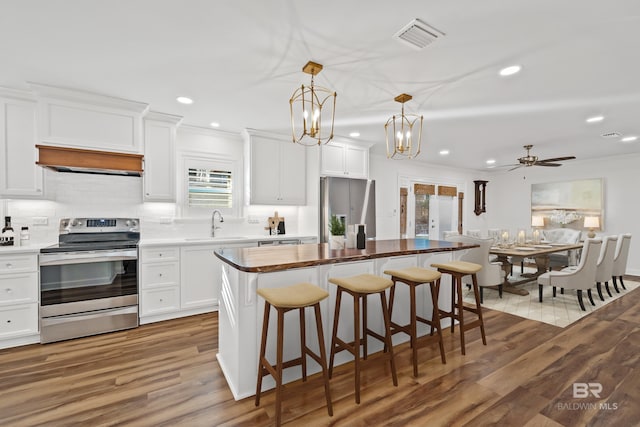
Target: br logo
[(583, 390)]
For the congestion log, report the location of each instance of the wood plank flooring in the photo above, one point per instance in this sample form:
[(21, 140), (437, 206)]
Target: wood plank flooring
[(166, 374)]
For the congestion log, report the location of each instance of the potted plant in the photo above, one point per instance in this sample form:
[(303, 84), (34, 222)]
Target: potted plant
[(336, 229)]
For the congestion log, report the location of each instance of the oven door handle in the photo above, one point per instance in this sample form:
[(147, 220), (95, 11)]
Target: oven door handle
[(87, 257)]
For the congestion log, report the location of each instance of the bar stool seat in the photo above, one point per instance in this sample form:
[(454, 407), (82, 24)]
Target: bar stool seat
[(457, 270), (414, 277), (359, 287), (298, 296)]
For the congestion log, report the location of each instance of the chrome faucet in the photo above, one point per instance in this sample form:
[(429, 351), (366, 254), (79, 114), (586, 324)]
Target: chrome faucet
[(213, 221)]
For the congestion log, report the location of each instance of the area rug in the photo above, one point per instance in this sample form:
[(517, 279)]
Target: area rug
[(560, 311)]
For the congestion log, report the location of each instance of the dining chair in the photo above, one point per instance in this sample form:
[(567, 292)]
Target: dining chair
[(604, 267), (492, 273), (579, 278), (620, 260)]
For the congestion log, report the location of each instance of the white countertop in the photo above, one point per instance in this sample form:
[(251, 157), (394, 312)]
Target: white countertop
[(31, 248), (168, 241)]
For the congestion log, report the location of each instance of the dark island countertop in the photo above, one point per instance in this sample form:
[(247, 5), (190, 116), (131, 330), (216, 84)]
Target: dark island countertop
[(277, 258)]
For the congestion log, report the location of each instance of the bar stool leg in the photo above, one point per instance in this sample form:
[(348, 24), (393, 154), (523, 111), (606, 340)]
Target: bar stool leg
[(279, 362), (323, 358), (303, 345), (365, 349), (356, 342), (458, 288), (413, 328), (387, 336), (479, 308), (435, 316), (263, 346), (334, 336)]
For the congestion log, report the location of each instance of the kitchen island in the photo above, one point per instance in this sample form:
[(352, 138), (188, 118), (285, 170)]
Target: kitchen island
[(244, 270)]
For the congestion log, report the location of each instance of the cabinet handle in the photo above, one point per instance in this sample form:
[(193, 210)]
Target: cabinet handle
[(161, 300), (9, 321), (160, 254), (9, 290), (160, 274), (9, 265)]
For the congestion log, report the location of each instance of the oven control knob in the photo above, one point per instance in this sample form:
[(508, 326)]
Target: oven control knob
[(131, 223), (76, 223)]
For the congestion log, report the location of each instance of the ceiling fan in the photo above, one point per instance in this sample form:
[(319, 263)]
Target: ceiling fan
[(530, 160)]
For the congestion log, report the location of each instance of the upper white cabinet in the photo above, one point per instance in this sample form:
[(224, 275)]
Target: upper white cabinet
[(19, 174), (73, 118), (277, 171), (159, 157), (345, 160)]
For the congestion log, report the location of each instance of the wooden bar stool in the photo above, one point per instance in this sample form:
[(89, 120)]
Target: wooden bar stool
[(414, 277), (457, 270), (284, 299), (359, 287)]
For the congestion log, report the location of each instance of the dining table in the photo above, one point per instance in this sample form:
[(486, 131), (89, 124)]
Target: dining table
[(540, 254)]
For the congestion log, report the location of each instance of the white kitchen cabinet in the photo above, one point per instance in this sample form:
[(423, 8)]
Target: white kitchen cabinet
[(344, 160), (159, 278), (277, 171), (20, 177), (159, 178), (19, 291), (201, 275), (74, 118)]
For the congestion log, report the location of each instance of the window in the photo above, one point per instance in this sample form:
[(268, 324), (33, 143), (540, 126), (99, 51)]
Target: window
[(209, 182), (210, 188)]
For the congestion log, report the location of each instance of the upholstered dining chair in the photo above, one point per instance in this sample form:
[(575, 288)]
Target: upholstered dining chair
[(604, 267), (579, 278), (561, 235), (491, 273), (620, 260)]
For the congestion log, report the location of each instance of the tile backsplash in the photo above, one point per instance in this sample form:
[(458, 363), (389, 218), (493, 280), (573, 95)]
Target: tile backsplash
[(87, 195)]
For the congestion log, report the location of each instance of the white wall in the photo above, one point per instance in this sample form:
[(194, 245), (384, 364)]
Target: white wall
[(509, 196), (387, 174)]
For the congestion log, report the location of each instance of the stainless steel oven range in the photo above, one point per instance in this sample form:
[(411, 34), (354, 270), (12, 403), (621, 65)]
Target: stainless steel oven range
[(89, 280)]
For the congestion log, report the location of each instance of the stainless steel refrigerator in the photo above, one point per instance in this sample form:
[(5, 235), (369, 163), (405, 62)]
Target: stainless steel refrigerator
[(351, 200)]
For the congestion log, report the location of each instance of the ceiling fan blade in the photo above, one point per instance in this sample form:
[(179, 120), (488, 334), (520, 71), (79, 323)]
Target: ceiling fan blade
[(557, 159), (517, 167), (546, 164)]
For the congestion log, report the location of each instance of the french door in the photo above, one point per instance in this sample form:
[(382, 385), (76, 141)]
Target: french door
[(427, 210)]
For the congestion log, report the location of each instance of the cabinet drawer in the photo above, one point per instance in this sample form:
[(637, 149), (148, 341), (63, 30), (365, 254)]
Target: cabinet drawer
[(18, 263), (17, 320), (18, 288), (159, 254), (160, 300), (159, 274)]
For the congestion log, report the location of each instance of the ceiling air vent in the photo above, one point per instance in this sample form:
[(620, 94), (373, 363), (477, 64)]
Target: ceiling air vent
[(611, 135), (418, 34)]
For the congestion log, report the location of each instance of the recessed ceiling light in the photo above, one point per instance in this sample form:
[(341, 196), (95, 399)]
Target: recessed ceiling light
[(629, 138), (491, 161), (595, 119), (354, 134), (510, 70), (444, 152), (184, 100), (214, 124)]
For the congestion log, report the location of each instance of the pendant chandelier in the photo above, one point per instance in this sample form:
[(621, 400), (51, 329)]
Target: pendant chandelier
[(401, 139), (312, 111)]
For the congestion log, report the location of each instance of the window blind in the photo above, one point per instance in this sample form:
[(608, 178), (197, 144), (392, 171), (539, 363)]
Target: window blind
[(210, 188)]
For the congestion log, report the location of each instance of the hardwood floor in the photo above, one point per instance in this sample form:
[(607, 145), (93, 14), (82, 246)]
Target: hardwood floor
[(166, 374)]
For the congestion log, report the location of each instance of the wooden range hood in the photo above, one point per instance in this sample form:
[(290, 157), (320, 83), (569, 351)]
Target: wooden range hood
[(64, 159)]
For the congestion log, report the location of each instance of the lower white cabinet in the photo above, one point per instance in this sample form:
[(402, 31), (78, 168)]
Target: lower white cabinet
[(180, 280), (18, 299)]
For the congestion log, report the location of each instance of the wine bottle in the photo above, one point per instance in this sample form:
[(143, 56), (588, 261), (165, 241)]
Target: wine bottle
[(8, 235)]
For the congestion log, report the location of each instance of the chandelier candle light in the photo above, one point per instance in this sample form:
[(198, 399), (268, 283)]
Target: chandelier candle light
[(308, 105), (536, 223), (401, 143)]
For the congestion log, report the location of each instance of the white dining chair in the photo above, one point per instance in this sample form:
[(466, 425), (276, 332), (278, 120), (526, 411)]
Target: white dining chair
[(579, 278), (491, 273), (620, 261), (604, 267)]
